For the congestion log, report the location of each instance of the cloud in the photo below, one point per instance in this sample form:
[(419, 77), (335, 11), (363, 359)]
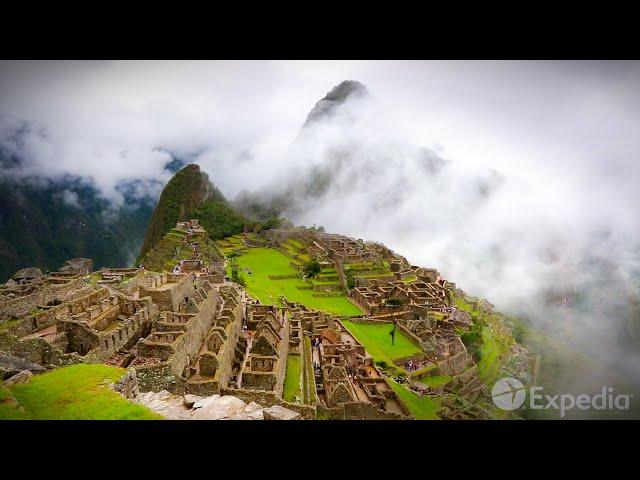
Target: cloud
[(512, 178)]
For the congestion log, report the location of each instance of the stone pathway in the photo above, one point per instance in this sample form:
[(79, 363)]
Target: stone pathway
[(214, 407)]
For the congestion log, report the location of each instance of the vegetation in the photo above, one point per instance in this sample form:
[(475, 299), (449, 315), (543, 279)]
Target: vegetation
[(435, 381), (351, 281), (311, 269), (292, 390), (487, 341), (237, 277), (181, 197), (171, 249), (219, 219), (266, 262), (377, 341), (190, 194), (72, 393), (46, 223), (422, 408), (309, 394), (473, 340)]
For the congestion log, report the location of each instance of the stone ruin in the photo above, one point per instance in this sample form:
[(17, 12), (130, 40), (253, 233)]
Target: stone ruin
[(195, 333)]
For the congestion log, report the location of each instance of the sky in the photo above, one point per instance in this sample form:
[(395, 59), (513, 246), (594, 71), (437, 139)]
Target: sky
[(556, 143)]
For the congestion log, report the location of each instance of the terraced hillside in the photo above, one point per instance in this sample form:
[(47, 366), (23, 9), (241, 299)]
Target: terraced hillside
[(172, 248), (270, 273)]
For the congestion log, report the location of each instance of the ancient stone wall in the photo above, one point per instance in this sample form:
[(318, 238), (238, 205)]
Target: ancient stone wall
[(127, 385), (21, 306), (269, 399), (153, 378), (37, 350), (356, 411), (170, 295)]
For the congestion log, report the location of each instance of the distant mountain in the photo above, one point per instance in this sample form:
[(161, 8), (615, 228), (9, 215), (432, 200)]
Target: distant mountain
[(44, 222), (336, 165), (190, 194)]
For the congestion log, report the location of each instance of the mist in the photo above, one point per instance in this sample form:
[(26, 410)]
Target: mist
[(516, 180)]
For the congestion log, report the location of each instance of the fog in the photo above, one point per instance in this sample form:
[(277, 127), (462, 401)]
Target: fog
[(516, 180)]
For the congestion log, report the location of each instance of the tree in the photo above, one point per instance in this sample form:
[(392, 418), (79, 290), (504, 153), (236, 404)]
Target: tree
[(394, 304)]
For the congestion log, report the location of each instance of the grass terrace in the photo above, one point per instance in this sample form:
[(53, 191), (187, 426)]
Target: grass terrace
[(292, 379), (295, 248), (422, 408), (369, 270), (435, 381), (494, 349), (495, 342), (377, 341), (266, 262), (76, 392)]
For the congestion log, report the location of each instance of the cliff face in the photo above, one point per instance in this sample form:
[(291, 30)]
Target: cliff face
[(190, 194)]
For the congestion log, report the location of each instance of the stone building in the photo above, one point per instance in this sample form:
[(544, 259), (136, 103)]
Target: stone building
[(77, 266), (170, 292), (266, 362), (111, 324), (165, 354)]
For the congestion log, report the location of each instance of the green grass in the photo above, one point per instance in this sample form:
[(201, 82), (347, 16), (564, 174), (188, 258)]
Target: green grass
[(492, 349), (377, 341), (495, 345), (375, 275), (76, 392), (266, 261), (422, 408), (435, 381), (292, 379)]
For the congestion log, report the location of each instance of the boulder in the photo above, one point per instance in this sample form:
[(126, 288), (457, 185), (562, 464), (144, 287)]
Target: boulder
[(252, 411), (10, 365), (280, 413), (190, 400), (19, 378), (206, 401), (222, 407), (28, 273)]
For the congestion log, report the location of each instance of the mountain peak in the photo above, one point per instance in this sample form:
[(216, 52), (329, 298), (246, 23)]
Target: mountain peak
[(327, 106), (187, 191)]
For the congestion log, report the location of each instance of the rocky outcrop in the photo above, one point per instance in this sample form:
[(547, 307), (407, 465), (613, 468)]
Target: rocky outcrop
[(11, 365), (19, 378)]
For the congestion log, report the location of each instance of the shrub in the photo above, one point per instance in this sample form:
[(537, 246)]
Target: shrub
[(382, 364), (311, 269), (237, 277), (351, 281)]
